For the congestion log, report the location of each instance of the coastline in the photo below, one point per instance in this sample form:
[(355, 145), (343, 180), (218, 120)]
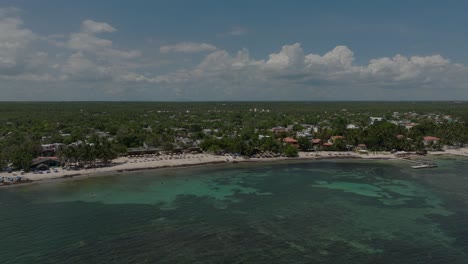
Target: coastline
[(131, 164)]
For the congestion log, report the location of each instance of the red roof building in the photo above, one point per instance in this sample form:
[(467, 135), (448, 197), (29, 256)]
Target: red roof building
[(431, 138), (316, 141), (289, 140), (333, 138)]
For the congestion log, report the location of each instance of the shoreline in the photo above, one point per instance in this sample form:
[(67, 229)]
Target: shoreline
[(131, 164)]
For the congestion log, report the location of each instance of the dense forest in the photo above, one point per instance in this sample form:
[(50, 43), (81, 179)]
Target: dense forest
[(90, 131)]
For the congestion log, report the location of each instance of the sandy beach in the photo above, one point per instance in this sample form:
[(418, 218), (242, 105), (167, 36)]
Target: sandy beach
[(123, 164)]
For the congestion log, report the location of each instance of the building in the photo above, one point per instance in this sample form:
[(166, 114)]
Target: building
[(279, 129), (142, 151), (362, 148), (428, 140), (410, 125), (290, 141), (374, 119), (51, 149), (45, 163), (334, 138), (317, 141)]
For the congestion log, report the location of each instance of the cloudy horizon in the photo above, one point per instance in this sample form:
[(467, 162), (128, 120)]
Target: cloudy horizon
[(104, 54)]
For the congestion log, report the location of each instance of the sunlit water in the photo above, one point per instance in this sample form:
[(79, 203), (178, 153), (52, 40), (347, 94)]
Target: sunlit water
[(290, 212)]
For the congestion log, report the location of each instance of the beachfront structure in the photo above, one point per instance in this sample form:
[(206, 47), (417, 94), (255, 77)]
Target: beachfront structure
[(290, 141), (430, 140), (142, 151), (51, 149), (45, 162), (362, 148)]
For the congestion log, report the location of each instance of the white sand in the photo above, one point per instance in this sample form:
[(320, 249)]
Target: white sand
[(154, 162)]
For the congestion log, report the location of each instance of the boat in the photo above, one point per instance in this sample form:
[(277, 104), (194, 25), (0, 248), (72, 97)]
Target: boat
[(424, 165)]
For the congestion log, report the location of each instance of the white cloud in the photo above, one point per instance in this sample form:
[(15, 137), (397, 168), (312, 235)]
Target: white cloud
[(87, 41), (289, 56), (238, 31), (84, 62), (339, 57), (94, 27), (296, 75), (18, 59), (94, 58), (187, 47)]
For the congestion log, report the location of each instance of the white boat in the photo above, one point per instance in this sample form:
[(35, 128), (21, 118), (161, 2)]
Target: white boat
[(424, 165)]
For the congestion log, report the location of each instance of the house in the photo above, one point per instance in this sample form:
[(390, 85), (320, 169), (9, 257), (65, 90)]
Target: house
[(290, 141), (428, 140), (51, 149), (279, 129), (375, 119), (334, 138), (351, 126), (410, 125), (316, 141), (362, 147)]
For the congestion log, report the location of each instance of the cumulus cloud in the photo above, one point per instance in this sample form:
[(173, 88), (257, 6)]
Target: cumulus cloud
[(18, 59), (87, 40), (187, 47), (95, 58), (88, 59), (333, 72), (93, 27), (290, 56)]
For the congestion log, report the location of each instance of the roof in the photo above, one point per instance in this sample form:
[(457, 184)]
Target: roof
[(316, 140), (289, 140), (431, 138), (326, 144), (362, 145), (40, 160), (337, 137)]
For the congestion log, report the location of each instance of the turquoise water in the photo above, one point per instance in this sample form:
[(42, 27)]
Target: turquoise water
[(286, 212)]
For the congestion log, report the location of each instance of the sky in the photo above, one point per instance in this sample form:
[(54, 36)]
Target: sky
[(252, 50)]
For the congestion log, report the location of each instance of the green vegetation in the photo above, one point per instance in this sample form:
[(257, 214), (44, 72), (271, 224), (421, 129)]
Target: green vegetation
[(290, 151), (93, 133)]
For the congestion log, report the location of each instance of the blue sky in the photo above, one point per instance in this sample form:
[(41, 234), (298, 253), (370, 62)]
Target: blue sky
[(233, 50)]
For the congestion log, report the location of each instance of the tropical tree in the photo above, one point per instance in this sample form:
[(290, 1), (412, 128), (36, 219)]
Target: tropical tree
[(290, 151), (304, 143)]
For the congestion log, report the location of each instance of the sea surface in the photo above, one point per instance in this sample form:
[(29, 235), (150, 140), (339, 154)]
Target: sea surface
[(284, 212)]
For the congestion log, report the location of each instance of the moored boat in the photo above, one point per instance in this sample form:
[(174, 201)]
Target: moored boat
[(424, 165)]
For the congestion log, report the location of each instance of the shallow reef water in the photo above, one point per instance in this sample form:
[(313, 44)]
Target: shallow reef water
[(333, 211)]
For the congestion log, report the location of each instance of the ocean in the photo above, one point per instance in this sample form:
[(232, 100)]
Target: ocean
[(328, 211)]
